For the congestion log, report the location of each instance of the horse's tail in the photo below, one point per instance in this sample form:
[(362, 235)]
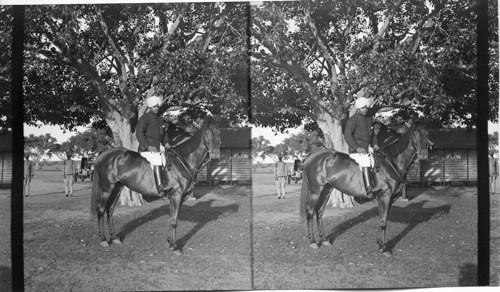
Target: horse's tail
[(96, 194), (305, 195)]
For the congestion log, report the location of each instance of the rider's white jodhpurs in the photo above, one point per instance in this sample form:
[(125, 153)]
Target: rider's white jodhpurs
[(157, 158), (364, 160)]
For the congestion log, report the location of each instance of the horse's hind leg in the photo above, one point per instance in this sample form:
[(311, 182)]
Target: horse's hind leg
[(320, 208), (310, 229), (175, 205), (100, 224), (310, 211), (384, 204), (110, 207)]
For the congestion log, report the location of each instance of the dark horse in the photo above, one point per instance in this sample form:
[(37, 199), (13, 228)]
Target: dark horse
[(119, 167), (329, 169)]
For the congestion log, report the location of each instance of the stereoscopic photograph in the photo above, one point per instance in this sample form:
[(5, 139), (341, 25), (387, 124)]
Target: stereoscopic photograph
[(267, 145)]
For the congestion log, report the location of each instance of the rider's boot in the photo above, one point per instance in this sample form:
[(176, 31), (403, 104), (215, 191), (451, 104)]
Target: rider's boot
[(160, 180), (368, 180)]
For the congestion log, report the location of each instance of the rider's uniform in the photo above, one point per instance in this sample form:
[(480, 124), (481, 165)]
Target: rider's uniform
[(150, 131), (358, 134)]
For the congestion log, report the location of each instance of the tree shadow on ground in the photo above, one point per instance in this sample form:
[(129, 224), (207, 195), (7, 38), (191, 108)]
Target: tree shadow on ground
[(200, 214), (412, 215), (201, 191)]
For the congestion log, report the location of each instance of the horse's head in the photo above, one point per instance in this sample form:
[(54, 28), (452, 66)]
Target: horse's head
[(420, 141), (211, 137)]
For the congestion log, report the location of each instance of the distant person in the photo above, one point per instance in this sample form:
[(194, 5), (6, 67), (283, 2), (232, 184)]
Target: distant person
[(280, 174), (28, 174), (68, 172), (493, 171)]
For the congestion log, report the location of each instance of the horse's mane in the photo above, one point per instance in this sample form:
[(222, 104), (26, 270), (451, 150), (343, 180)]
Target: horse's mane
[(187, 147), (400, 144)]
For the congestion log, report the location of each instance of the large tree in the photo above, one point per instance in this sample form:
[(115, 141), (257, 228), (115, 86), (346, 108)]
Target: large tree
[(97, 63), (311, 59)]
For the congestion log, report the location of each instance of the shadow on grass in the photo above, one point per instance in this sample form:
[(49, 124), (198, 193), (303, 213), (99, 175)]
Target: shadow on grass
[(5, 278), (411, 215), (467, 275), (200, 214)]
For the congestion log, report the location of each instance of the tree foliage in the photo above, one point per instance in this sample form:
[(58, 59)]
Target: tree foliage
[(87, 144), (97, 63), (260, 147), (39, 146), (299, 146), (311, 59), (5, 69), (493, 140)]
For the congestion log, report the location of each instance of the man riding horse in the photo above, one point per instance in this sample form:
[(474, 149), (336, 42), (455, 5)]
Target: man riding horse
[(358, 134), (151, 134)]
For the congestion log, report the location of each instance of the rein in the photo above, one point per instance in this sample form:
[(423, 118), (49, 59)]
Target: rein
[(192, 171), (405, 171)]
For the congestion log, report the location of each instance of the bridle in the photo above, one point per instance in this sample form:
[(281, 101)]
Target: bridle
[(416, 153), (194, 171)]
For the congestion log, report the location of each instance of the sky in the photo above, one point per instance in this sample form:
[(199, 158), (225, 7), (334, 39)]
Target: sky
[(274, 138), (62, 136)]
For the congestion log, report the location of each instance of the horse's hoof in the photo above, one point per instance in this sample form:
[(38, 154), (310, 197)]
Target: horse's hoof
[(117, 241), (177, 252), (326, 243), (387, 254), (104, 243), (313, 245)]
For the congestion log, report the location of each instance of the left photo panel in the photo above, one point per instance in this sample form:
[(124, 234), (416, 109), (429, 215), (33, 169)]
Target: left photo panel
[(136, 149)]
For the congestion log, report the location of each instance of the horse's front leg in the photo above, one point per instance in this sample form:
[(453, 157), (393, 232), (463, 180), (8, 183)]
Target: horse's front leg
[(384, 204), (175, 205)]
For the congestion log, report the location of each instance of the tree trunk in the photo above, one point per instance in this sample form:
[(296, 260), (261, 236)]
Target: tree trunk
[(334, 139), (124, 137)]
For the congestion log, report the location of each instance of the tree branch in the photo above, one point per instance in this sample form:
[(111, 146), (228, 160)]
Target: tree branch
[(326, 52), (299, 111), (385, 25), (174, 26), (120, 58), (424, 24)]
